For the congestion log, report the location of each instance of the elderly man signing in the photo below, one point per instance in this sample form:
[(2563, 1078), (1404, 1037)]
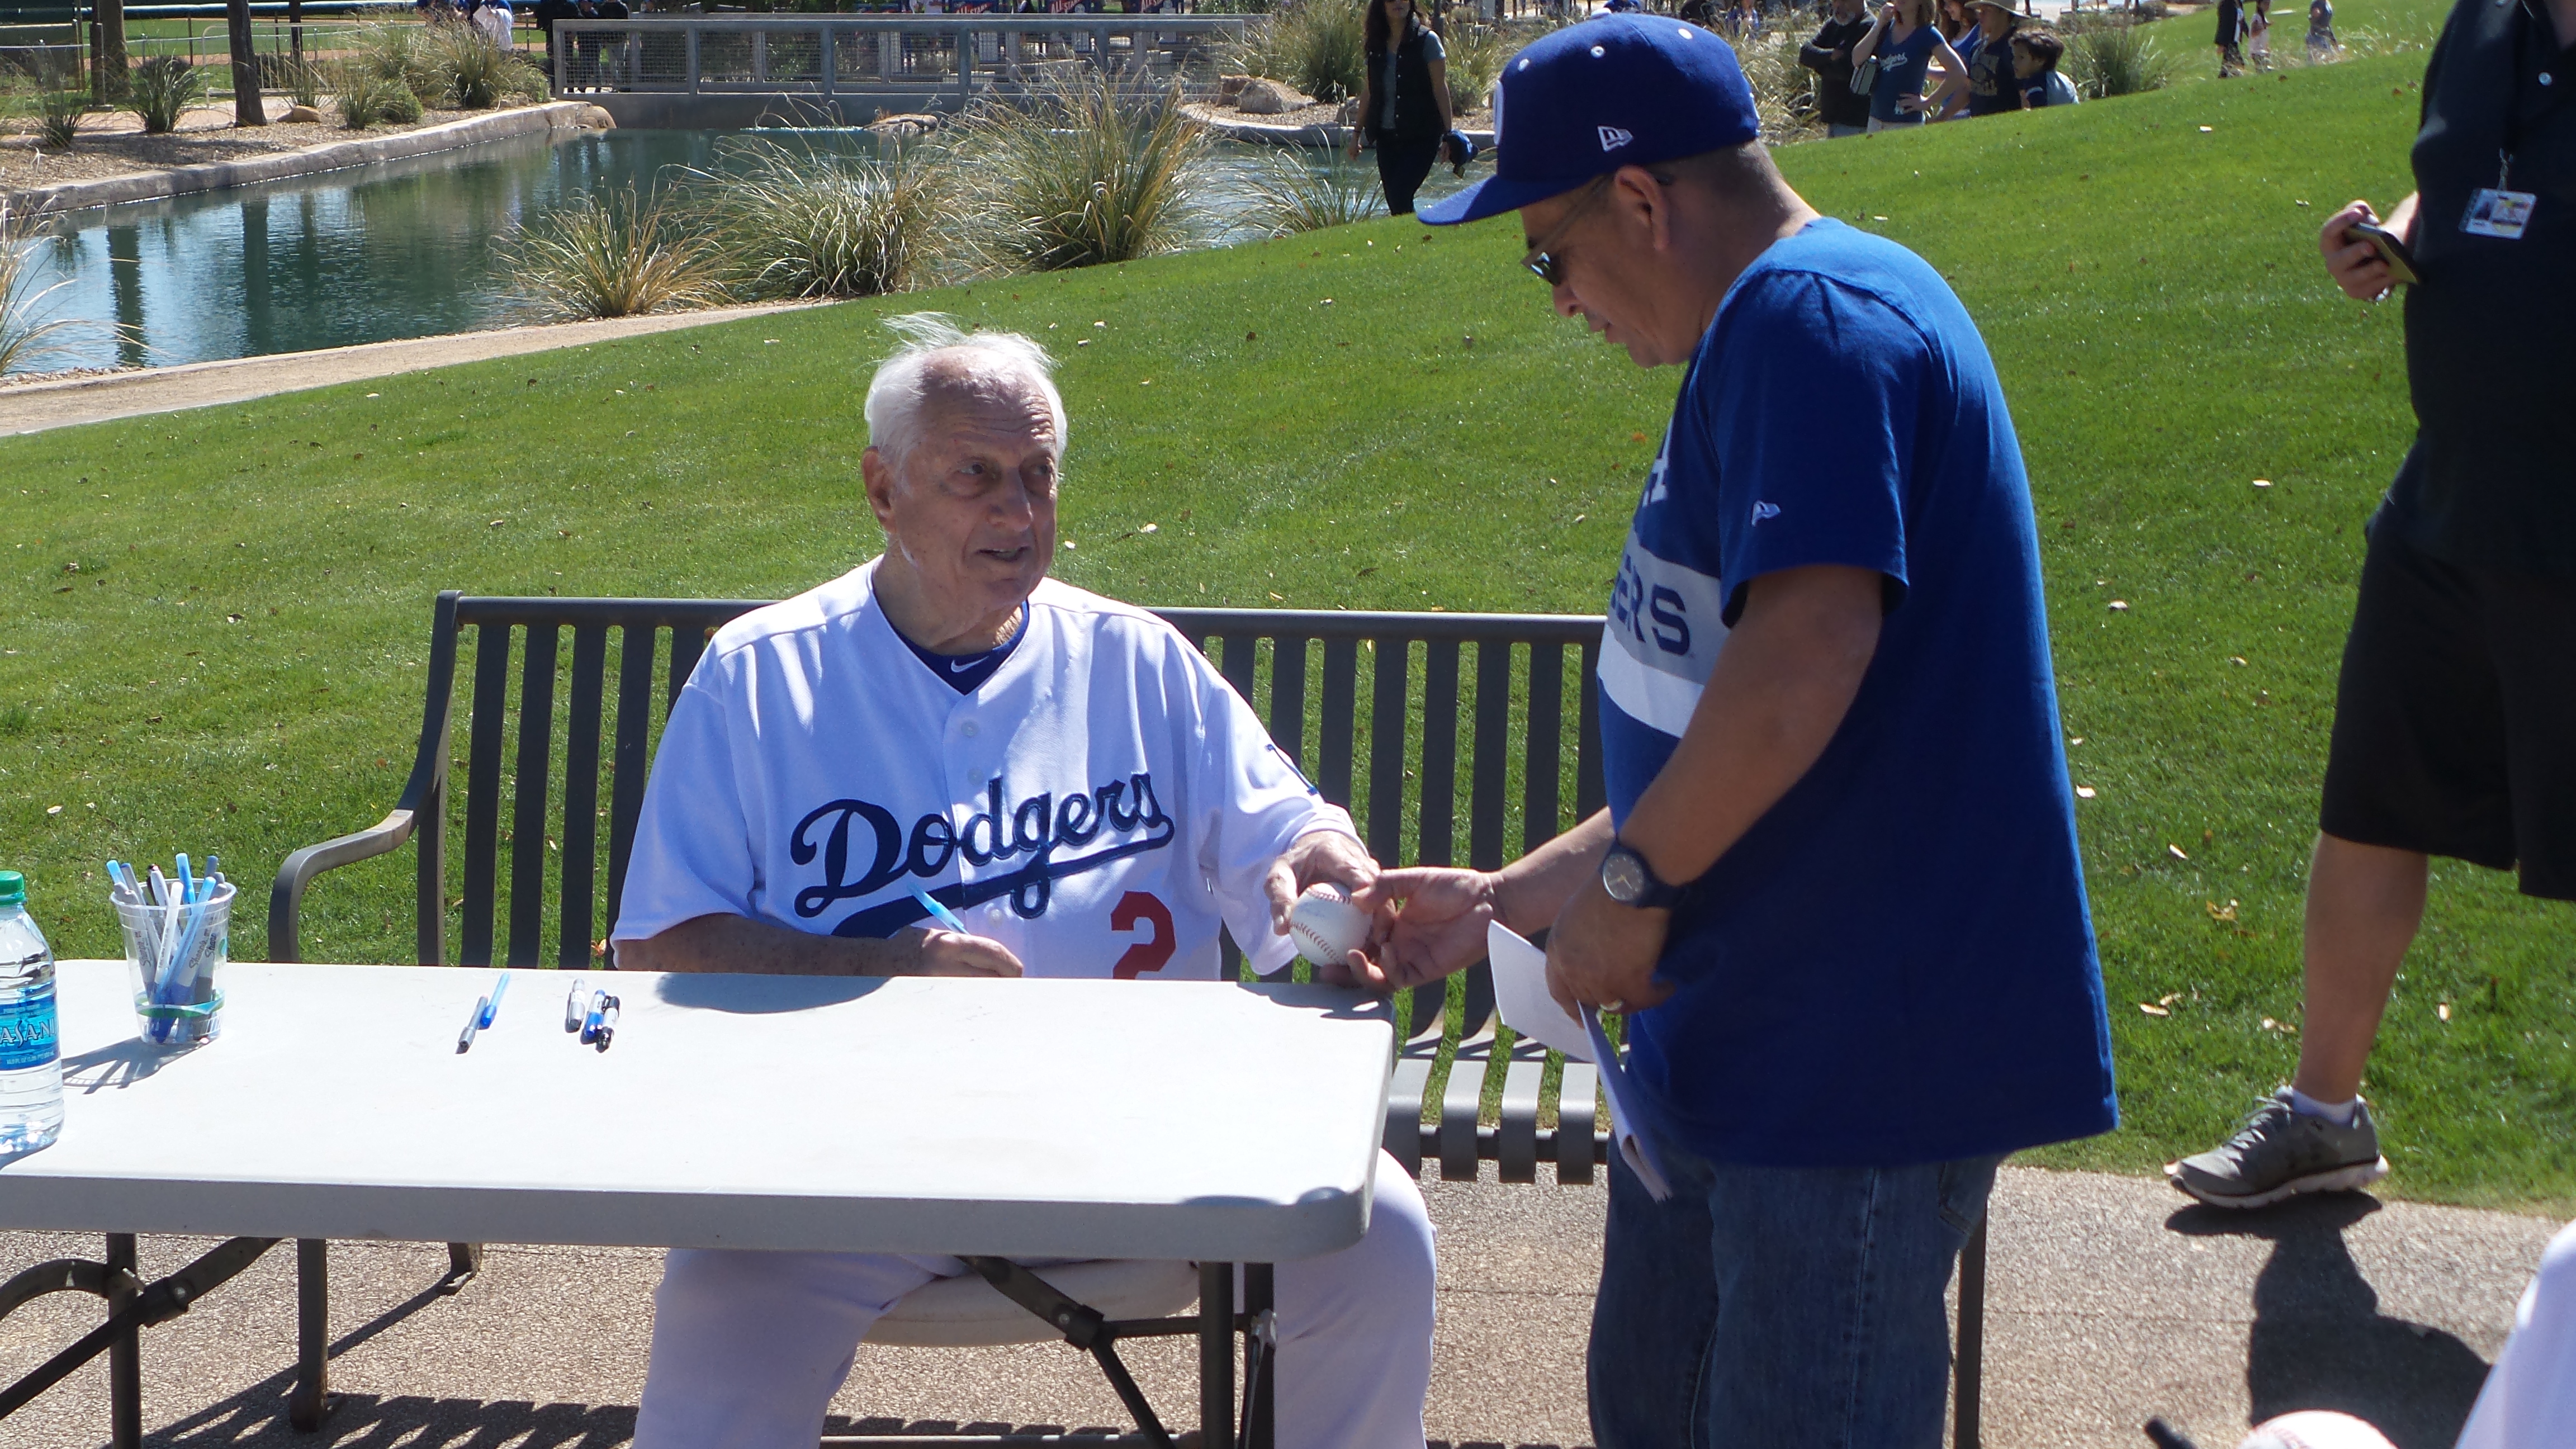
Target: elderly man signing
[(1837, 886), (1064, 772)]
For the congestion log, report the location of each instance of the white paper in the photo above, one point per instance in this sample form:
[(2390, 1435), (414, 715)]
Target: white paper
[(1615, 1085), (1520, 991)]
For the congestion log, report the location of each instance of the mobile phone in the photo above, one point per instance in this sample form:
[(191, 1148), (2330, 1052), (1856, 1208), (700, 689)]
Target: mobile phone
[(2401, 263)]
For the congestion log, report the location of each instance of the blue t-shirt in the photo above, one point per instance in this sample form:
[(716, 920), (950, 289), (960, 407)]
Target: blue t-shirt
[(1900, 73), (1895, 964)]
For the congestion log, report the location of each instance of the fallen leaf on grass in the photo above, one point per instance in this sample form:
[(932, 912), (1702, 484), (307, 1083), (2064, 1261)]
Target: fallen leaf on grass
[(2084, 792), (53, 810), (2176, 850), (2151, 1009), (2119, 606), (2443, 1011), (2218, 912), (2169, 998)]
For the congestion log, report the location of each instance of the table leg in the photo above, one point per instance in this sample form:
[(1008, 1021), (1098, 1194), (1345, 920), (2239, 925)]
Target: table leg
[(311, 1397), (1216, 1355), (1260, 1344), (125, 1355)]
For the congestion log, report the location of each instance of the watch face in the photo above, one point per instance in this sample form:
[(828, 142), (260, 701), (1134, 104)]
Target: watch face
[(1623, 876)]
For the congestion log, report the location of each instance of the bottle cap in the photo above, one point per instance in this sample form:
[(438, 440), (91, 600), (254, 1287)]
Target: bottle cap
[(13, 888)]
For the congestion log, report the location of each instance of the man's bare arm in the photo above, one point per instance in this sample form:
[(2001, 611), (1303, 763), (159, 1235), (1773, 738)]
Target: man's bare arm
[(757, 948)]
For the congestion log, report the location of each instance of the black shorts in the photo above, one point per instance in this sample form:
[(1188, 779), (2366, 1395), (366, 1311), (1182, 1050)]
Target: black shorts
[(2455, 718)]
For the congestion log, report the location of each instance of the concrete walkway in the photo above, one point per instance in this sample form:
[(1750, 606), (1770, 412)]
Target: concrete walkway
[(2111, 1299), (36, 406)]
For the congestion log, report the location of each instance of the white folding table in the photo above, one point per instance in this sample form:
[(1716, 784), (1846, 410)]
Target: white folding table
[(988, 1119)]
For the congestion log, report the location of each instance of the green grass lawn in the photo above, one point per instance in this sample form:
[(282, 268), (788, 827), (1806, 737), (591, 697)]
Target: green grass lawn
[(234, 665)]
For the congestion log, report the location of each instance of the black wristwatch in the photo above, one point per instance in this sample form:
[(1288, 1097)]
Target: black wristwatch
[(1632, 882)]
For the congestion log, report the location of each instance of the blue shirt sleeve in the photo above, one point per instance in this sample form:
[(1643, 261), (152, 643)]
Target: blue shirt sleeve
[(1812, 420)]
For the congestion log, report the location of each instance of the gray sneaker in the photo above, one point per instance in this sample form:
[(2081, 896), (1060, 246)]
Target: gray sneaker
[(2280, 1152)]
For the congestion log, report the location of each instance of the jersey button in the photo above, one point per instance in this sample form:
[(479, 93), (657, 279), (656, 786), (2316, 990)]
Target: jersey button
[(967, 729)]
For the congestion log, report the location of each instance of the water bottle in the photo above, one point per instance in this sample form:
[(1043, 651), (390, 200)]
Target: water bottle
[(31, 1066)]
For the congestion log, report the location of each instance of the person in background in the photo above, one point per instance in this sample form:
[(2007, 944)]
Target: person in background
[(1829, 55), (548, 12), (1404, 100), (2036, 53), (2455, 711), (1702, 13), (495, 20), (1906, 41), (1957, 26), (2321, 36), (2231, 38), (2258, 34), (1990, 90)]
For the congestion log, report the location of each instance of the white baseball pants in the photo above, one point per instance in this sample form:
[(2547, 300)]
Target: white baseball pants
[(750, 1347)]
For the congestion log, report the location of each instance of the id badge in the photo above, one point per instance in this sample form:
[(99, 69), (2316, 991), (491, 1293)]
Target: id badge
[(2499, 213)]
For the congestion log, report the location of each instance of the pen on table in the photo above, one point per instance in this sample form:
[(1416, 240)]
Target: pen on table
[(160, 895), (473, 1024), (187, 882), (590, 1021), (940, 913), (491, 1004), (607, 1024), (574, 1007)]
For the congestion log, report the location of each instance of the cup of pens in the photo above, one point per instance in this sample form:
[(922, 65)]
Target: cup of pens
[(177, 938)]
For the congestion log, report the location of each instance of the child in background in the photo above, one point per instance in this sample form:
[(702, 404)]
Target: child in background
[(2035, 54), (2321, 36)]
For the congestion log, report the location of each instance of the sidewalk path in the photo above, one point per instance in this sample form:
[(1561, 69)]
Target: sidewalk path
[(35, 407), (2111, 1299)]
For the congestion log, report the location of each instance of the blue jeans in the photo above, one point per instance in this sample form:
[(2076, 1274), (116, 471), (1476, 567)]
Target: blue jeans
[(1779, 1307)]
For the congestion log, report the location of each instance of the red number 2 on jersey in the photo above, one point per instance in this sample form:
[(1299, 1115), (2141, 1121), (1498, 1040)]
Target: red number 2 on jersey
[(1140, 908)]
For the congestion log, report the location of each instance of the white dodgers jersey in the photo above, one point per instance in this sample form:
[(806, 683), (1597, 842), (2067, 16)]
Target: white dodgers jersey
[(1099, 806)]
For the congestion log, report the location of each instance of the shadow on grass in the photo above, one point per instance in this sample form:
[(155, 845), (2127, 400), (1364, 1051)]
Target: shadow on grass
[(2319, 1340)]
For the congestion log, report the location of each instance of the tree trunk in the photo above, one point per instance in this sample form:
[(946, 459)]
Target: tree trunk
[(109, 47), (248, 108)]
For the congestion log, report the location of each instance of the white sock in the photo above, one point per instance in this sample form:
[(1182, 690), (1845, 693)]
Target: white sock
[(2339, 1113)]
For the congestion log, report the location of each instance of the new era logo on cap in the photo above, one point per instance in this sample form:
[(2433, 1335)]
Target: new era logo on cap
[(1612, 138)]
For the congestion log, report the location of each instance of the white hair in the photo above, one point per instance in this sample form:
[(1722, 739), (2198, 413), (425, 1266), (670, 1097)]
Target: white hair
[(904, 379)]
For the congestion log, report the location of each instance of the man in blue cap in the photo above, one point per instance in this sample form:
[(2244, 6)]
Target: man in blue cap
[(1837, 886)]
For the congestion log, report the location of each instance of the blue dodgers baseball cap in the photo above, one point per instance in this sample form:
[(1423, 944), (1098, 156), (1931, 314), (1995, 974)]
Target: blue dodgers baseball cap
[(1621, 90)]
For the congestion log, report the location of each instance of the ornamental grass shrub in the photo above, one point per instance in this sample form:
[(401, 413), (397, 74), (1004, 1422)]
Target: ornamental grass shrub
[(1090, 171), (797, 222), (59, 114), (471, 71), (612, 254), (2115, 60), (1318, 46), (367, 97), (161, 88), (26, 329), (1290, 195)]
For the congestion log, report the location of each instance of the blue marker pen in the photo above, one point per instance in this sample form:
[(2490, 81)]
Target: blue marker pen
[(492, 1004), (940, 913)]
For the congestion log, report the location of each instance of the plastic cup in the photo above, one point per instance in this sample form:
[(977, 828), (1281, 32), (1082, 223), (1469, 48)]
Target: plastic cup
[(173, 959)]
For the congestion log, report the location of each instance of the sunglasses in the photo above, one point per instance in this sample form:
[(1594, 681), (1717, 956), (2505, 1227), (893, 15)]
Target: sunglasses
[(1545, 260)]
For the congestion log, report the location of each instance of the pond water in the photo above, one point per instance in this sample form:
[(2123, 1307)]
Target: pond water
[(404, 249)]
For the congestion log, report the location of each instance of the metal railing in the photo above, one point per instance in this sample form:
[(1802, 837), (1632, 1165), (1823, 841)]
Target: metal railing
[(942, 60)]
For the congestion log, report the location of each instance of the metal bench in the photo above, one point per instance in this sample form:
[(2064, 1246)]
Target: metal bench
[(1480, 721)]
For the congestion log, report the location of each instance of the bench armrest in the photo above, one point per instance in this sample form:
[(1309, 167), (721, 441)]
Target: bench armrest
[(286, 897)]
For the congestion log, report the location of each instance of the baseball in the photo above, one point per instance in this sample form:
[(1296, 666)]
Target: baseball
[(2315, 1429), (1326, 926)]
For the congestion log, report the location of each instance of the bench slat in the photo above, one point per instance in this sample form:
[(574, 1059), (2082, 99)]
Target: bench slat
[(1404, 1089), (1589, 794), (581, 794), (1516, 1133), (1287, 697), (1491, 747), (1542, 745), (1577, 1101), (1385, 832), (1341, 702), (483, 790), (629, 764), (687, 644), (528, 805), (1462, 1100)]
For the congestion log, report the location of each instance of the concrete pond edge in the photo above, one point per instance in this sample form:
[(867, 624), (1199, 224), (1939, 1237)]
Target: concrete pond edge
[(309, 161), (1313, 133)]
